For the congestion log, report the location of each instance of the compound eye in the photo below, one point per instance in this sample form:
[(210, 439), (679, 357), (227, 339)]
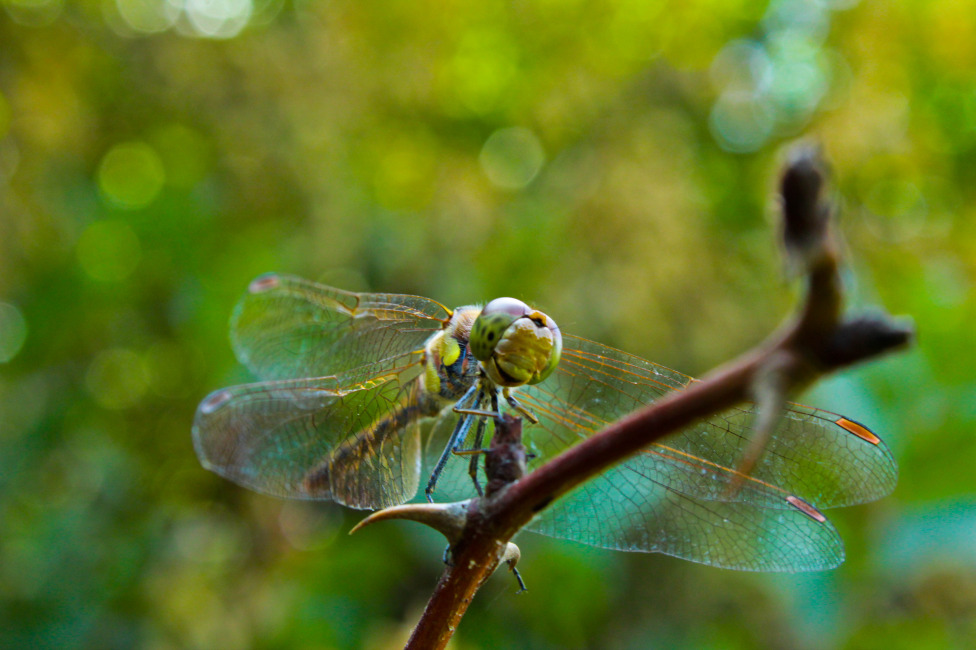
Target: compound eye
[(491, 324), (557, 348), (510, 306)]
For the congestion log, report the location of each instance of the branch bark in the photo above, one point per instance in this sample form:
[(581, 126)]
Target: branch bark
[(814, 342)]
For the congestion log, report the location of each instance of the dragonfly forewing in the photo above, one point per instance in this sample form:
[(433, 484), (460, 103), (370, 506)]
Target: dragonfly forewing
[(287, 327)]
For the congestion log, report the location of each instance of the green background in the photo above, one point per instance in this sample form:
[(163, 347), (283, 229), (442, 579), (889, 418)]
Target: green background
[(611, 162)]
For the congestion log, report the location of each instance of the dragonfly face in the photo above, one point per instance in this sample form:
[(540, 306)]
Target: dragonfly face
[(362, 394), (516, 344)]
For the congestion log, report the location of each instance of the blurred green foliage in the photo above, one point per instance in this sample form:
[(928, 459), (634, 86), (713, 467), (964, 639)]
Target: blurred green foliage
[(612, 162)]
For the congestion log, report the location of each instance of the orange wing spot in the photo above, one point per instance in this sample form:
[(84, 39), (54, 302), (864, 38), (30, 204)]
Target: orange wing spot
[(858, 430), (806, 508)]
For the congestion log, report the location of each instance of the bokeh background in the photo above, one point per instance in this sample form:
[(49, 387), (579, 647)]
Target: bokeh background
[(612, 162)]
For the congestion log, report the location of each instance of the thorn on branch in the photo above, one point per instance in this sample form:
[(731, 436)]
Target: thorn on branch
[(448, 519)]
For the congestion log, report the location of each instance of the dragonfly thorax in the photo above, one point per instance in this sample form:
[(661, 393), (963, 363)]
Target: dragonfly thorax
[(449, 367)]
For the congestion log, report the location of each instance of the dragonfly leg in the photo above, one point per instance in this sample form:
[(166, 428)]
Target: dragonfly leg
[(457, 437), (518, 576), (479, 412), (479, 435), (514, 403)]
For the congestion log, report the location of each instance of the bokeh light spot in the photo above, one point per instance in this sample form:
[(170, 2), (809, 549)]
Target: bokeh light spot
[(800, 77), (34, 13), (117, 378), (109, 251), (13, 331), (512, 157), (742, 66), (741, 122), (148, 16), (218, 18), (798, 19), (131, 175)]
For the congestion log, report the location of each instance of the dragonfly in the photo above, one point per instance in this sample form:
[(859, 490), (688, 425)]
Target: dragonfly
[(362, 395)]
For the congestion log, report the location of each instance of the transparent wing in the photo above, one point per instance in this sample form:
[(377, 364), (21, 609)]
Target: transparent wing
[(352, 438), (817, 456), (683, 496), (286, 327), (619, 510)]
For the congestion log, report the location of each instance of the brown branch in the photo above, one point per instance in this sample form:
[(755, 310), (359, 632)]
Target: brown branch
[(815, 342)]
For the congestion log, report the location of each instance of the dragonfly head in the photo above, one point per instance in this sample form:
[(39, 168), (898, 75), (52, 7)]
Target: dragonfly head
[(515, 344)]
